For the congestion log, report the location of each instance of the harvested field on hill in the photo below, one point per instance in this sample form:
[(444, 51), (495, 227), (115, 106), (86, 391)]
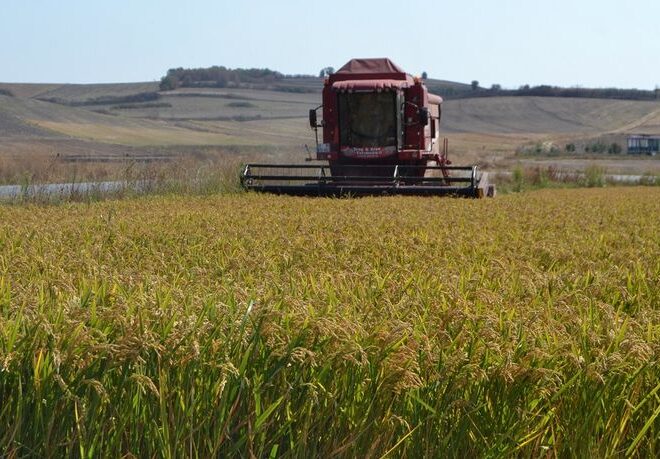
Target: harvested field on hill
[(546, 115), (83, 123), (145, 135), (209, 107), (270, 125), (76, 93), (28, 89), (12, 126), (246, 94), (527, 325)]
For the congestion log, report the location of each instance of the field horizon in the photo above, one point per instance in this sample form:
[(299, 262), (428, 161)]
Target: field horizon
[(95, 121)]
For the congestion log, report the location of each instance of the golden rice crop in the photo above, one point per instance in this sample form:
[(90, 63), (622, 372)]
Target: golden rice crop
[(259, 325)]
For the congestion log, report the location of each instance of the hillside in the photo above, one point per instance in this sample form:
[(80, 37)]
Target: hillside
[(546, 115), (32, 119), (13, 126), (28, 89), (104, 120), (76, 93), (502, 115)]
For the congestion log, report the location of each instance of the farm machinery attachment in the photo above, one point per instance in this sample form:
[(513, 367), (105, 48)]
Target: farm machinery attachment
[(317, 180)]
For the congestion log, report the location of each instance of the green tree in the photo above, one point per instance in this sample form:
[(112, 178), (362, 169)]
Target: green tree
[(614, 149), (221, 80), (475, 85), (169, 82), (326, 71)]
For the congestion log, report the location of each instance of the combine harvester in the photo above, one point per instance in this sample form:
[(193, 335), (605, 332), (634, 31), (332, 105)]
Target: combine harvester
[(380, 136)]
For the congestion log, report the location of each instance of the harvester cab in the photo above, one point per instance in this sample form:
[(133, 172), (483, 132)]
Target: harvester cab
[(380, 135)]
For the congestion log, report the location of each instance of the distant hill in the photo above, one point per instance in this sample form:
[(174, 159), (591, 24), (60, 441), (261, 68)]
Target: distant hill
[(273, 121), (269, 80), (548, 115), (493, 114)]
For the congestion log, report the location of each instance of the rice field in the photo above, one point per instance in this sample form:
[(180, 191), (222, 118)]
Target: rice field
[(251, 325)]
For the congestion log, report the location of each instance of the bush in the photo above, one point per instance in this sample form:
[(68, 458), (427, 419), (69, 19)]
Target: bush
[(539, 177), (240, 104), (518, 179), (143, 105), (6, 92), (596, 147), (148, 96), (539, 148), (614, 149), (594, 176)]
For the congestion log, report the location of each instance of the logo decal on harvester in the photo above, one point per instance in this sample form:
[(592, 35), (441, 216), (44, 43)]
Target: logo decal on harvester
[(367, 152)]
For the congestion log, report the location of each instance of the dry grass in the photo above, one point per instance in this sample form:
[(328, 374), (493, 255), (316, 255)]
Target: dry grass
[(209, 104), (37, 166), (141, 135), (28, 89), (35, 121), (267, 326), (202, 173), (84, 92)]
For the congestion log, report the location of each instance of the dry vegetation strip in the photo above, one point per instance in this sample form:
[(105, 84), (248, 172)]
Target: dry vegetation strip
[(244, 324), (142, 135)]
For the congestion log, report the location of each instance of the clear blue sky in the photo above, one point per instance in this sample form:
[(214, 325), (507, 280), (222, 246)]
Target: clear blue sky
[(510, 42)]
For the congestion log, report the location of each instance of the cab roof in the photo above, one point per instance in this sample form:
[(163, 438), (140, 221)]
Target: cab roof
[(370, 69), (377, 65)]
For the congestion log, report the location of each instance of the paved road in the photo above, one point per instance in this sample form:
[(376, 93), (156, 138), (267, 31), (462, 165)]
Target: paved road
[(68, 189), (621, 178)]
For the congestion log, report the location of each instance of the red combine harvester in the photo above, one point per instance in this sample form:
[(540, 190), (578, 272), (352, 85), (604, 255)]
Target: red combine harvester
[(380, 136)]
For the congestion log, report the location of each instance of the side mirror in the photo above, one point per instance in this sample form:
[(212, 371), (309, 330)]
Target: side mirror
[(423, 114), (312, 119)]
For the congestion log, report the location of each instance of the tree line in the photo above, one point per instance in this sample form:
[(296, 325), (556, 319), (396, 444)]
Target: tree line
[(221, 77), (140, 97), (556, 91)]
